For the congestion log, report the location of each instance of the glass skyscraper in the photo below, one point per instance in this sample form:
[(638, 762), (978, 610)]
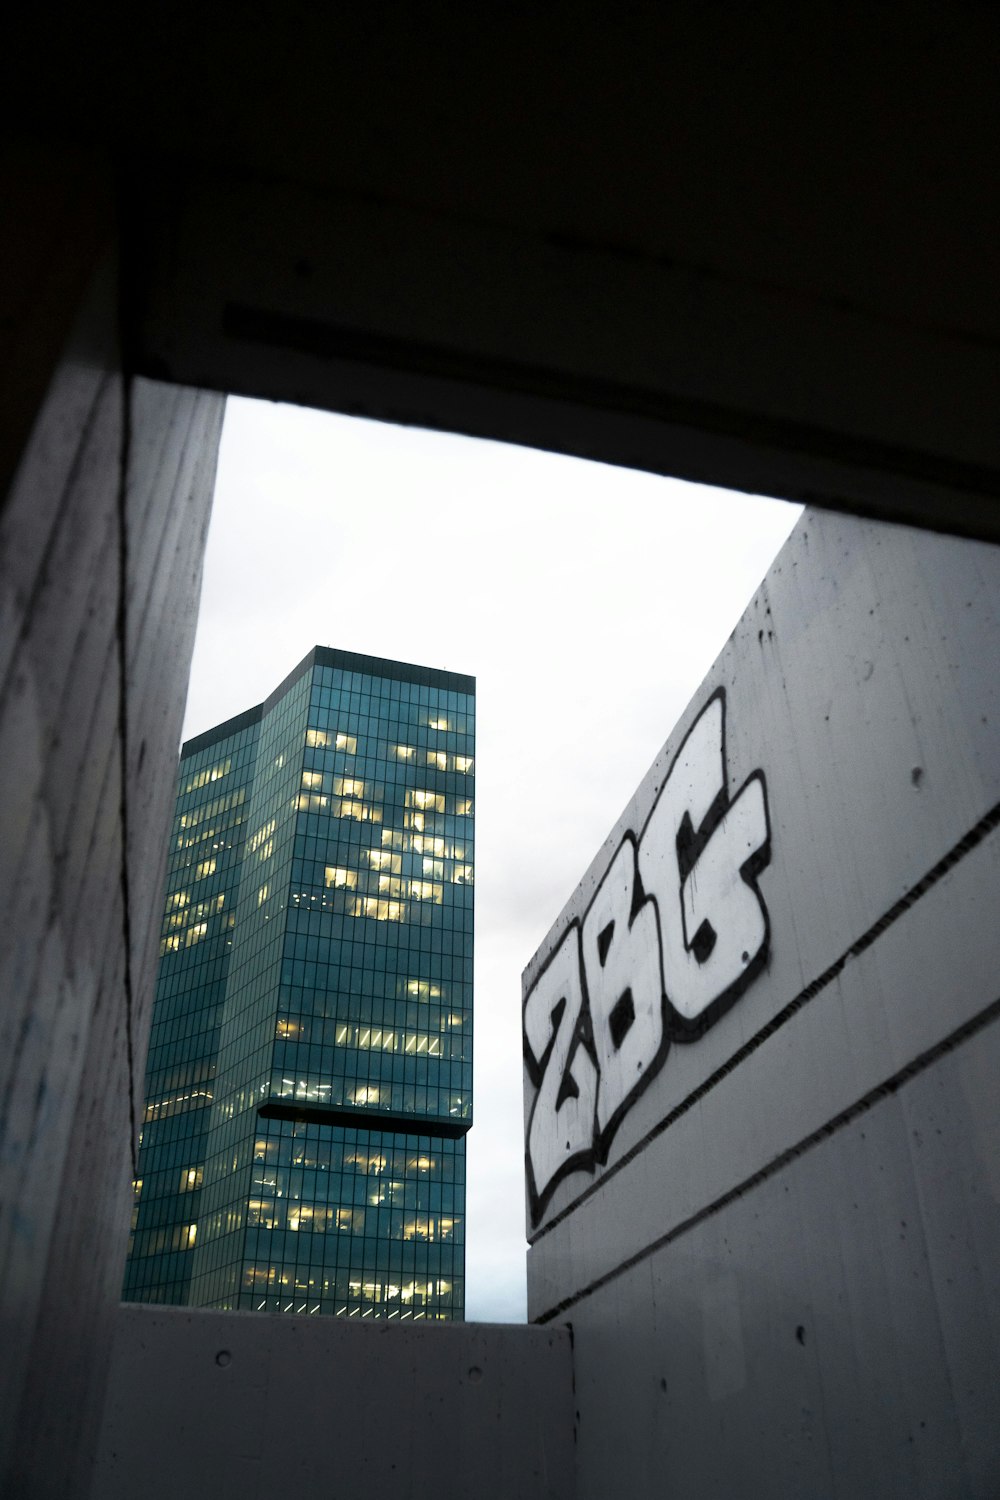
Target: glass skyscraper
[(309, 1083)]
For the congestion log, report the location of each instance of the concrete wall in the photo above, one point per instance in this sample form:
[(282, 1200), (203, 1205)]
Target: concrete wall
[(112, 487), (769, 1205), (759, 254), (235, 1403)]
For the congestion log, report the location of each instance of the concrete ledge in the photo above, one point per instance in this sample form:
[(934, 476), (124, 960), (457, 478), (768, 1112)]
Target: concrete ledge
[(215, 1403)]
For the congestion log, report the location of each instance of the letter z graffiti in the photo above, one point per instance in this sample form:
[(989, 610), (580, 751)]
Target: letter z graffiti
[(674, 934)]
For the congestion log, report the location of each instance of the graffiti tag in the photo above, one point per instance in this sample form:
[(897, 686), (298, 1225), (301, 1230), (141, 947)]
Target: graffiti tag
[(675, 932)]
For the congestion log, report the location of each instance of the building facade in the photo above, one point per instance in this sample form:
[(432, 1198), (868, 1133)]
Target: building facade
[(309, 1082)]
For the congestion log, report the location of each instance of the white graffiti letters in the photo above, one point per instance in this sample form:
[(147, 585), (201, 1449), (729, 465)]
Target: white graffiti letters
[(621, 961), (719, 924), (675, 932), (562, 1121)]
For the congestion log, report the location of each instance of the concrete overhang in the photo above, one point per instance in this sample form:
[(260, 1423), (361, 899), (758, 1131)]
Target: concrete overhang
[(753, 246)]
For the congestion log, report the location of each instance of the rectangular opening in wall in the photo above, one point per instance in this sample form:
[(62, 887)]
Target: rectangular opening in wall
[(479, 609)]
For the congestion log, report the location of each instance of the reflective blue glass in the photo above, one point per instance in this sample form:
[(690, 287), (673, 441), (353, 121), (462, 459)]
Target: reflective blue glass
[(309, 1085)]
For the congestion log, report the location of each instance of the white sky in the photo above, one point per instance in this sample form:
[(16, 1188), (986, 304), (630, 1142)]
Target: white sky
[(589, 602)]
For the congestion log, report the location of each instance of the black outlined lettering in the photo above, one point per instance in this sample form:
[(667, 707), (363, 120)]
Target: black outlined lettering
[(674, 934), (561, 1127), (621, 964), (710, 850)]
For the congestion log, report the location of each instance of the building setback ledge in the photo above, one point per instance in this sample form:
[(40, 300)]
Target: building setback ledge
[(368, 1119)]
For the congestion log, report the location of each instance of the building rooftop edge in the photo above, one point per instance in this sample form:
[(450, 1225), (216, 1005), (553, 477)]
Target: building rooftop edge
[(348, 661), (222, 731)]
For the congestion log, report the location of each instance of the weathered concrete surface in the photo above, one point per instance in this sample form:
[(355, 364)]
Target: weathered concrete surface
[(833, 1331), (238, 1403), (113, 482), (784, 1170)]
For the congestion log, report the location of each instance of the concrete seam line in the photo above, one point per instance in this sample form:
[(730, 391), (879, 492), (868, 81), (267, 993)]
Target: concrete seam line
[(832, 1127), (976, 834)]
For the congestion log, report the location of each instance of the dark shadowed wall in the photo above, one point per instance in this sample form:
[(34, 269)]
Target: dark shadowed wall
[(101, 541)]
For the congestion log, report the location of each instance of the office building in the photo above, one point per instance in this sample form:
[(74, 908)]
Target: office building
[(309, 1082)]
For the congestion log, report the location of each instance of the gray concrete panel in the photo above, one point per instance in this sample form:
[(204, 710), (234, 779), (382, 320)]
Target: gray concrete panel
[(831, 1332), (894, 1003), (237, 1403), (861, 684), (781, 1271)]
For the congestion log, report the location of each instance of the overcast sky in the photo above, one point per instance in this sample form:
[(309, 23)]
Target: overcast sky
[(589, 602)]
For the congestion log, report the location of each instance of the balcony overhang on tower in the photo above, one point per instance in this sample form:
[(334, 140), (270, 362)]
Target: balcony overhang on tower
[(451, 1127)]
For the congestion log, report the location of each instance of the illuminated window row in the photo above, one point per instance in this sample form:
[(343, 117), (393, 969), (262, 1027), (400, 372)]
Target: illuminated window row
[(418, 890), (347, 1034), (379, 909), (423, 989), (217, 805), (341, 786), (338, 807), (266, 1213), (407, 1096), (318, 1218), (196, 913), (213, 831), (404, 1194), (174, 941), (162, 1109), (342, 877), (423, 843), (422, 819), (413, 1292), (262, 843), (367, 1163), (193, 924), (178, 899), (213, 773), (441, 760), (392, 863), (324, 739), (385, 1039), (426, 800)]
